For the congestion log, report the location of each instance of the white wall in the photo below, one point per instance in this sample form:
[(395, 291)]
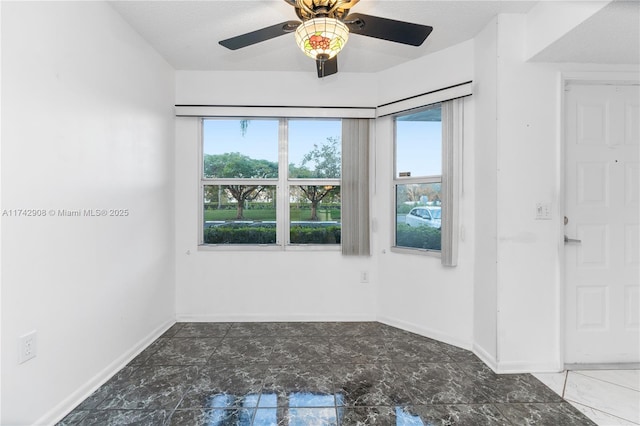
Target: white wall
[(527, 144), (485, 184), (438, 70), (86, 124), (416, 292), (1, 346), (275, 88)]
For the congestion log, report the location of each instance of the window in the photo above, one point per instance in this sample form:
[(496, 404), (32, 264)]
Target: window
[(427, 179), (314, 169), (271, 182), (418, 179)]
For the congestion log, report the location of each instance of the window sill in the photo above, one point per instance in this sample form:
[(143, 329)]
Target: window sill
[(419, 252), (268, 247)]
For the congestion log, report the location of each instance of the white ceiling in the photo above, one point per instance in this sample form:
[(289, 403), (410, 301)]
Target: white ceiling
[(611, 36), (186, 33)]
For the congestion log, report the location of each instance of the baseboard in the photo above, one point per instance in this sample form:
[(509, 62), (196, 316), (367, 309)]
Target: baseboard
[(485, 357), (514, 367), (269, 317), (68, 404), (517, 367), (604, 366), (426, 332)]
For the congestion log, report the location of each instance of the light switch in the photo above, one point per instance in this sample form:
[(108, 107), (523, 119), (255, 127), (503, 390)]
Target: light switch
[(543, 211)]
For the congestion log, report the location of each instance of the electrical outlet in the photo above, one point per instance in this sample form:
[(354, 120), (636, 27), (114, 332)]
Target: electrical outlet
[(364, 276), (27, 347)]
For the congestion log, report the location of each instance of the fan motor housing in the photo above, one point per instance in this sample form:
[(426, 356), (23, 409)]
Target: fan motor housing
[(309, 9)]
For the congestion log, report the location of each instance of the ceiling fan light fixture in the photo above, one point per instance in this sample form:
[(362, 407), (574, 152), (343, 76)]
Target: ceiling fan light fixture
[(321, 38)]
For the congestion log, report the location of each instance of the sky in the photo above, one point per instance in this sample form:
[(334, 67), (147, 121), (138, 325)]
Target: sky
[(419, 148), (261, 138), (418, 142)]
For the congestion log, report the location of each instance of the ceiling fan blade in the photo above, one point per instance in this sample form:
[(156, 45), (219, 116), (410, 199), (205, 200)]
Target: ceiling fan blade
[(260, 35), (387, 29), (328, 67)]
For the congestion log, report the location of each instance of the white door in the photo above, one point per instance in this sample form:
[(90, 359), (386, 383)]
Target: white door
[(602, 184)]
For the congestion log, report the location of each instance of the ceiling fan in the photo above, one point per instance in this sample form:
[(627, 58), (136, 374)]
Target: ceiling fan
[(325, 28)]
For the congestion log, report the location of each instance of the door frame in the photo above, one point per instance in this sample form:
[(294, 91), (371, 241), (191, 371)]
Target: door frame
[(565, 78)]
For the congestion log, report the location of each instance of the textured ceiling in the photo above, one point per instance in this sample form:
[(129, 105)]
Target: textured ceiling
[(186, 33), (611, 36)]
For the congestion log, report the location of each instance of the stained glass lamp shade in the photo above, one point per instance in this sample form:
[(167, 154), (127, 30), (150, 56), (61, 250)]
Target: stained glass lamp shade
[(322, 38)]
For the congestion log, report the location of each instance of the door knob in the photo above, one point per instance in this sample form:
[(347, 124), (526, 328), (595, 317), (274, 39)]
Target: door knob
[(568, 240)]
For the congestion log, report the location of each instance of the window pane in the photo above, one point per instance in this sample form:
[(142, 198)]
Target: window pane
[(315, 214), (315, 148), (418, 210), (419, 143), (240, 148), (240, 214)]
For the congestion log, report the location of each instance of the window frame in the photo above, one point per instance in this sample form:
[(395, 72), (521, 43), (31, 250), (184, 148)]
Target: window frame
[(282, 183), (411, 180)]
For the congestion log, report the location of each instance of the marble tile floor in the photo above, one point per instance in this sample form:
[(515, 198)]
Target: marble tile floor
[(608, 397), (315, 374)]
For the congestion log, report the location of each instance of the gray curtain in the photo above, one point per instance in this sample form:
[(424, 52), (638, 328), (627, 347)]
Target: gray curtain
[(355, 187), (452, 140)]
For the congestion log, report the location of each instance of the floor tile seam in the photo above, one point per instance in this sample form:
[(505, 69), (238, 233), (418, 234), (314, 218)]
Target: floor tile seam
[(423, 362), (102, 400), (172, 411), (564, 383), (213, 352), (226, 333), (605, 381), (280, 366), (418, 405), (488, 399), (253, 414), (469, 376), (148, 365), (600, 410), (87, 412), (194, 336), (504, 416), (200, 336), (531, 400), (246, 407), (126, 409), (180, 327), (160, 346), (95, 407), (207, 409), (271, 407), (409, 404)]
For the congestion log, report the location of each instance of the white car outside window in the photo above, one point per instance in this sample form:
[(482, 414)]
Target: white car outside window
[(424, 216)]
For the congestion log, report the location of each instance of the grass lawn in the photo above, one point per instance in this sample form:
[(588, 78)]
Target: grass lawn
[(269, 214), (262, 214)]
